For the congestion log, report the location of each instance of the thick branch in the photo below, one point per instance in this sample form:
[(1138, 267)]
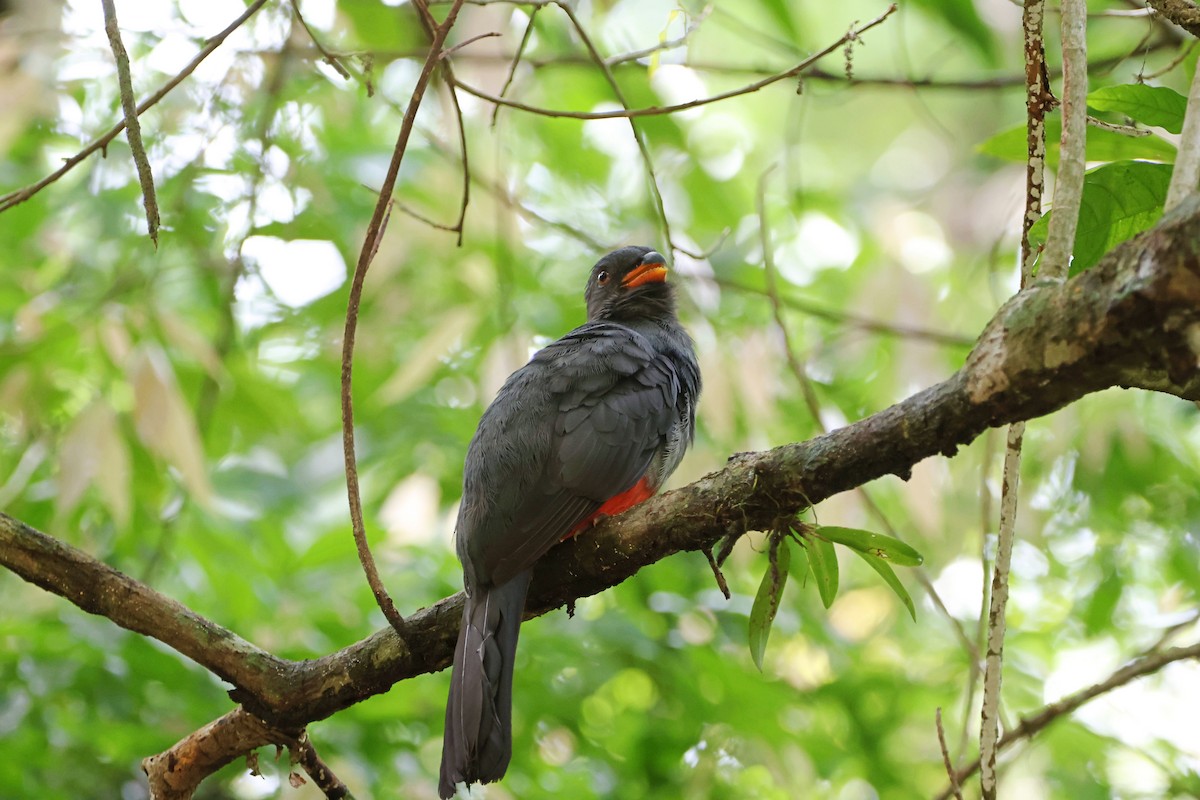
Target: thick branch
[(1131, 321), (1183, 13)]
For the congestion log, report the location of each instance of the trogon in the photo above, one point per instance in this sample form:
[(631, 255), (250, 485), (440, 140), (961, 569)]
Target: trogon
[(592, 425)]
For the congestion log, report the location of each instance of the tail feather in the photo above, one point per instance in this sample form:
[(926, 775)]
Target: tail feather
[(477, 744)]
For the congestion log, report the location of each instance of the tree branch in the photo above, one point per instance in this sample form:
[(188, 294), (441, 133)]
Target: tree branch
[(370, 246), (1133, 320), (133, 128), (21, 195), (653, 111), (1183, 13), (1030, 726)]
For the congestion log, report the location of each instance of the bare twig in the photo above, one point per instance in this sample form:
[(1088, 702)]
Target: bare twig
[(720, 576), (666, 44), (431, 28), (332, 59), (133, 129), (449, 51), (975, 669), (21, 195), (994, 658), (516, 61), (310, 760), (643, 148), (1031, 726), (1184, 52), (941, 734), (822, 311), (631, 61), (1037, 96), (366, 255), (654, 111)]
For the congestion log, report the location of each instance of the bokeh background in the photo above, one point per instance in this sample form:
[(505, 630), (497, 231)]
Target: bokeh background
[(175, 412)]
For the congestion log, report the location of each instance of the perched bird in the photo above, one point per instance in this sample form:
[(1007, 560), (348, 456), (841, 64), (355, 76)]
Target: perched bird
[(591, 426)]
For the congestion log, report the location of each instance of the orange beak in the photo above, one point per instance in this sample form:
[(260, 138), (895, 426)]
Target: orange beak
[(647, 272)]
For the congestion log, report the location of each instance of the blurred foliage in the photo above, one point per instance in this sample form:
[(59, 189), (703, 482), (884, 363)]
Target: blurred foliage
[(175, 412)]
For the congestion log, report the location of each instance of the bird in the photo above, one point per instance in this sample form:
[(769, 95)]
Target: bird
[(594, 424)]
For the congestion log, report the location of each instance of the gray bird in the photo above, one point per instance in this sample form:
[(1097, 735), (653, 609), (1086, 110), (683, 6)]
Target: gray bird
[(594, 424)]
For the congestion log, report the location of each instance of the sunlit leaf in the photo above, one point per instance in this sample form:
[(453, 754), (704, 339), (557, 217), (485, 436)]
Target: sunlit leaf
[(873, 544), (1119, 201), (1102, 145), (1149, 105)]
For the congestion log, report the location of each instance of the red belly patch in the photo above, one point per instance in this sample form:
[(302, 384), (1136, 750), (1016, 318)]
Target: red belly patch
[(615, 505)]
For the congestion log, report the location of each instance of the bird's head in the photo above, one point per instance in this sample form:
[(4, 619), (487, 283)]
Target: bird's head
[(629, 282)]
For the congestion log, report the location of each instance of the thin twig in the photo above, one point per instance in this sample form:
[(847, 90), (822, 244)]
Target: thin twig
[(1028, 727), (654, 111), (1184, 52), (630, 61), (369, 248), (708, 251), (469, 41), (431, 27), (941, 734), (21, 195), (516, 61), (975, 671), (330, 58), (666, 44), (821, 311), (1036, 100), (133, 129), (720, 576), (643, 148), (310, 760)]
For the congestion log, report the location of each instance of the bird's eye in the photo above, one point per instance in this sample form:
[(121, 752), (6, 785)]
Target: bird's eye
[(602, 277)]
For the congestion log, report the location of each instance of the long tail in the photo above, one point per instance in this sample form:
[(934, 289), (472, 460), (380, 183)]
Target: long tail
[(478, 739)]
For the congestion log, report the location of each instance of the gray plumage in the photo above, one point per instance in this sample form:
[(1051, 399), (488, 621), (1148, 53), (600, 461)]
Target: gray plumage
[(591, 415)]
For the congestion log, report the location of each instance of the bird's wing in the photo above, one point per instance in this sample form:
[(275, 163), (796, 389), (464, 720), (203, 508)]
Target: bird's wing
[(609, 404)]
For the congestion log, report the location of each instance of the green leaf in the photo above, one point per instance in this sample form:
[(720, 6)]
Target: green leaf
[(1102, 145), (823, 561), (1149, 105), (766, 601), (875, 544), (889, 576), (1119, 201)]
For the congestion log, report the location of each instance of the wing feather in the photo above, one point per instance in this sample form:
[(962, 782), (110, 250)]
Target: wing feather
[(595, 407)]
